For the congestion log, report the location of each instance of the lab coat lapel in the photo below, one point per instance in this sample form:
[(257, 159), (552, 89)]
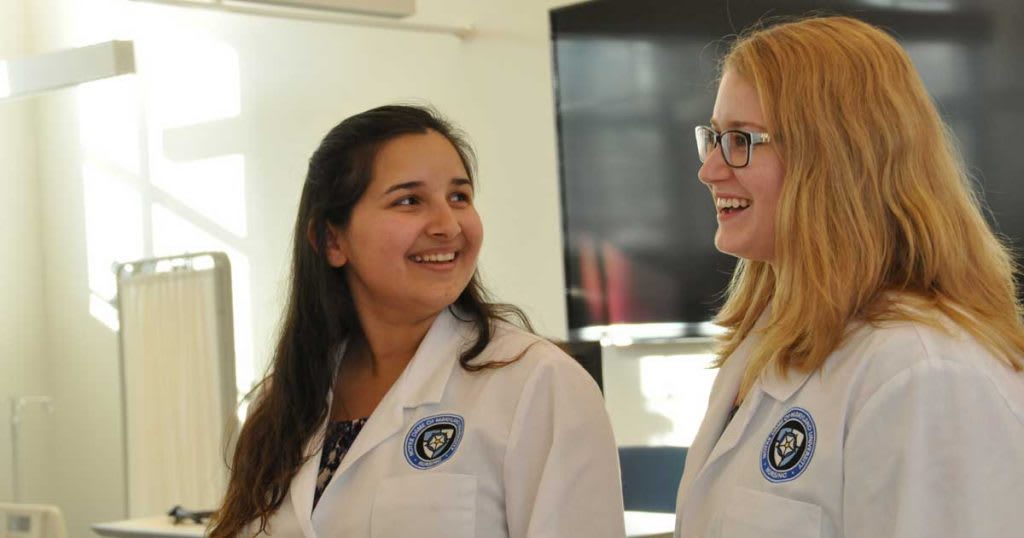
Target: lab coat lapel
[(732, 431), (709, 436), (422, 382), (303, 485), (717, 436), (722, 435), (772, 384)]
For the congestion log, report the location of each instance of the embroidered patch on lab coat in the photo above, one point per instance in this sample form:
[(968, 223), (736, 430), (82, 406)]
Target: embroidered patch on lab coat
[(433, 440), (789, 448)]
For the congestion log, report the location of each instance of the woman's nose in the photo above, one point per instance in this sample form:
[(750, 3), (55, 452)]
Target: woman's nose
[(714, 167), (444, 222)]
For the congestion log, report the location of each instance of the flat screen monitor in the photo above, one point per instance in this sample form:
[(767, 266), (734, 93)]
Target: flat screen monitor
[(633, 77)]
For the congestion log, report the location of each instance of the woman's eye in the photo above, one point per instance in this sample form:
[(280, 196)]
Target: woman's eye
[(407, 200), (738, 140), (461, 197)]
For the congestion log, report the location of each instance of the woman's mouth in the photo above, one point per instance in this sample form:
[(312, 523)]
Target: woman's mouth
[(728, 206), (435, 258)]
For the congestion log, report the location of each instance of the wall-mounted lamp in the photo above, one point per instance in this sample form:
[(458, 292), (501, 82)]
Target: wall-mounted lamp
[(22, 77)]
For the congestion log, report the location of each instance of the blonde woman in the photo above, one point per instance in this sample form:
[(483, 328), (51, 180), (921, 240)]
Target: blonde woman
[(870, 378)]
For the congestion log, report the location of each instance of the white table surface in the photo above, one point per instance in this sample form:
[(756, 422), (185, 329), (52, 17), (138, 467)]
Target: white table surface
[(649, 524), (150, 527), (638, 524)]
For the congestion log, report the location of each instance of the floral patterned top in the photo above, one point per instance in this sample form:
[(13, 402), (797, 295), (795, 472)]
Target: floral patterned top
[(339, 438)]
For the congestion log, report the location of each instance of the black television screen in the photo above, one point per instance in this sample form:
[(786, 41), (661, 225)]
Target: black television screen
[(633, 77)]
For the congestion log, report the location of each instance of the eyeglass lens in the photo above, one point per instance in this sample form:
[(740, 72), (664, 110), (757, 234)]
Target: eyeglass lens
[(734, 146)]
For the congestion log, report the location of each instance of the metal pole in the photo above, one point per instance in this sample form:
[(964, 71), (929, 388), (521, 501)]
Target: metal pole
[(14, 450), (17, 404)]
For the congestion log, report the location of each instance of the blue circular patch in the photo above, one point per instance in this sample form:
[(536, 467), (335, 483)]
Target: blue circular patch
[(433, 440), (789, 448)]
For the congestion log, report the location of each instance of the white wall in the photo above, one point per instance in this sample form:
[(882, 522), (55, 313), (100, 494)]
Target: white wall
[(242, 101), (656, 394), (23, 366)]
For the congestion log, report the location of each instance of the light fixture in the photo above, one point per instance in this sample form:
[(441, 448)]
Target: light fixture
[(391, 14), (384, 8), (21, 77)]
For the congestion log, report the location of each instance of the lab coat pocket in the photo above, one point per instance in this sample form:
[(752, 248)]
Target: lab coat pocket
[(756, 514), (427, 505)]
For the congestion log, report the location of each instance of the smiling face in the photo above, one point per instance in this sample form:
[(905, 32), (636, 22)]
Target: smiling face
[(411, 244), (746, 198)]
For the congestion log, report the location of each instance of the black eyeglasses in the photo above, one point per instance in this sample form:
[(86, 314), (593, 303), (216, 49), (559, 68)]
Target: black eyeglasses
[(735, 144)]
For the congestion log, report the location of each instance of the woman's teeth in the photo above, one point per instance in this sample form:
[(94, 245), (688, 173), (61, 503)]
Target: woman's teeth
[(731, 203), (434, 258)]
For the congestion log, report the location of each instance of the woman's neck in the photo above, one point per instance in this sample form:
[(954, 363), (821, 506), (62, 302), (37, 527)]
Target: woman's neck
[(373, 361), (391, 344)]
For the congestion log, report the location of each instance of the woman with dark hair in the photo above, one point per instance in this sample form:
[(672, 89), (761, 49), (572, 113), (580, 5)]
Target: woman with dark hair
[(400, 402)]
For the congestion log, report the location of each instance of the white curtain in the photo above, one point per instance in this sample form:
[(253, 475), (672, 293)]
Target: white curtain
[(174, 405)]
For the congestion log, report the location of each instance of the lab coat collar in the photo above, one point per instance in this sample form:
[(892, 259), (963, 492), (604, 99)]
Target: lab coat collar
[(425, 378), (781, 386), (422, 383)]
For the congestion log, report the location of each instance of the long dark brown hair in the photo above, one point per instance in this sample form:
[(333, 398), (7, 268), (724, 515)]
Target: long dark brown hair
[(289, 403)]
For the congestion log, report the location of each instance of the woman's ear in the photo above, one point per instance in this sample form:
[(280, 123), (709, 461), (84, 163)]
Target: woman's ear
[(311, 235), (334, 249)]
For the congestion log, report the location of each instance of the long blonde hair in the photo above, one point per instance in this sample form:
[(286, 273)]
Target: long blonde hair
[(876, 220)]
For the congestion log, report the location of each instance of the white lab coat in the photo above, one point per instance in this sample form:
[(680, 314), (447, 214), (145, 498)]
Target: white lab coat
[(536, 458), (919, 433)]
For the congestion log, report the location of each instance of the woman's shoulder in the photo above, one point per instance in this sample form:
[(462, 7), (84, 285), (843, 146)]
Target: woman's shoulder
[(528, 346), (522, 350), (519, 366), (904, 343), (882, 353)]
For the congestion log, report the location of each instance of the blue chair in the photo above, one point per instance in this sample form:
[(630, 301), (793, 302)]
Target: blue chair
[(650, 476)]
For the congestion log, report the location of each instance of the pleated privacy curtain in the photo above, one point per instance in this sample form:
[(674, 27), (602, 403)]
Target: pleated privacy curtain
[(178, 407)]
